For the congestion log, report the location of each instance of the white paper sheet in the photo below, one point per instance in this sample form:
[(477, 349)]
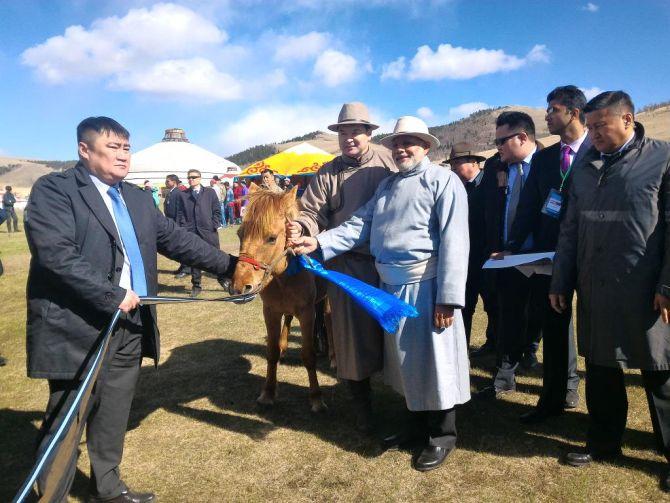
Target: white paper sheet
[(527, 263)]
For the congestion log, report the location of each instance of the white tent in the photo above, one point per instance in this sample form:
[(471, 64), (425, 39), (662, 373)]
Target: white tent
[(176, 155)]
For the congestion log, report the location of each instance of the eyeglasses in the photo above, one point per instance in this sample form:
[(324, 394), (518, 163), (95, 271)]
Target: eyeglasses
[(499, 142), (192, 177)]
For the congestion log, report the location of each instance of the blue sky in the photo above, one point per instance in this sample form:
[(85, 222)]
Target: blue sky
[(238, 73)]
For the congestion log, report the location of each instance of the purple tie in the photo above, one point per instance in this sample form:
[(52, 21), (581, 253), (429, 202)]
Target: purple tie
[(565, 159)]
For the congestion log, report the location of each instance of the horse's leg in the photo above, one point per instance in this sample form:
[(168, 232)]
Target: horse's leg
[(273, 327), (306, 319), (286, 329), (328, 322)]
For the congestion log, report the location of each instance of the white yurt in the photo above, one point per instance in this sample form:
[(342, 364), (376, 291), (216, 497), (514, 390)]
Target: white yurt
[(176, 155)]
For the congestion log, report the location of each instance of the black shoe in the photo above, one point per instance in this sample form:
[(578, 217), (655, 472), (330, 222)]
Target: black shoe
[(529, 361), (3, 361), (571, 399), (493, 393), (430, 458), (126, 496), (579, 459), (537, 416), (484, 350), (195, 291), (665, 482)]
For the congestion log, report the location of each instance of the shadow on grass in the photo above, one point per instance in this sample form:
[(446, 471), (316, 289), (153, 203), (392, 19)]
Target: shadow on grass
[(219, 371)]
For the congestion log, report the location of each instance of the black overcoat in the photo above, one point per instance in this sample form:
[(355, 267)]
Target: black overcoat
[(613, 248), (76, 260), (201, 214)]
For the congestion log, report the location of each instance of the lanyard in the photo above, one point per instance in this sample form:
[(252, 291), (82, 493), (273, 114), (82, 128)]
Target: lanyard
[(564, 177)]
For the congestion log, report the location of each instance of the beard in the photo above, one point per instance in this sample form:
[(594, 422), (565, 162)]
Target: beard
[(405, 165)]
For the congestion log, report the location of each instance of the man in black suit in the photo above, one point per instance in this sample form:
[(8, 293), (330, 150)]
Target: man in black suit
[(200, 213), (504, 176), (170, 209), (541, 205), (464, 161), (93, 241)]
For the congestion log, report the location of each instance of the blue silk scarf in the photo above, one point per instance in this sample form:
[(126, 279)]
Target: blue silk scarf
[(382, 306)]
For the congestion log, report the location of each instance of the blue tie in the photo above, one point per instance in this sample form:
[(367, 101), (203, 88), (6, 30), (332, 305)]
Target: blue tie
[(125, 225)]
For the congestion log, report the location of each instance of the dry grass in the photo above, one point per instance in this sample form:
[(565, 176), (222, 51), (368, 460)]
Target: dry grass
[(196, 433)]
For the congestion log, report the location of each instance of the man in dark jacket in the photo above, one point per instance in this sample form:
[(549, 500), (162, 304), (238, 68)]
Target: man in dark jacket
[(8, 202), (200, 213), (504, 176), (93, 241), (465, 163), (542, 203), (170, 209), (613, 249)]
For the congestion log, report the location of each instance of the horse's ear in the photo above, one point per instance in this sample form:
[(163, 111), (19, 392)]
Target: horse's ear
[(253, 188), (291, 194)]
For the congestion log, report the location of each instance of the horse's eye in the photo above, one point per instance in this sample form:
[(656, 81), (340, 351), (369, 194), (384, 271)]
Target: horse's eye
[(272, 239)]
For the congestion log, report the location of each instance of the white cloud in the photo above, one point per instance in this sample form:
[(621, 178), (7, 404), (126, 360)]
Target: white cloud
[(591, 92), (394, 70), (300, 48), (459, 63), (335, 68), (182, 78), (274, 123), (591, 7), (113, 44), (465, 109), (425, 113)]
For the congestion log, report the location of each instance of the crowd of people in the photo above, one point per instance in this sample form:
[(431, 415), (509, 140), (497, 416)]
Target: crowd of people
[(389, 216)]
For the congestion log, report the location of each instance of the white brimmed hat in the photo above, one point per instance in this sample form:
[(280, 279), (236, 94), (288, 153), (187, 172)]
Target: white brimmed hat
[(411, 126)]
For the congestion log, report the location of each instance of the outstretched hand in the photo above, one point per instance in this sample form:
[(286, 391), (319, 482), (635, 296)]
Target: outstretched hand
[(304, 245)]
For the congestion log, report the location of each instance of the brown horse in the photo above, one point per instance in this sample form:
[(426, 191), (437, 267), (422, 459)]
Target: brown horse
[(262, 264)]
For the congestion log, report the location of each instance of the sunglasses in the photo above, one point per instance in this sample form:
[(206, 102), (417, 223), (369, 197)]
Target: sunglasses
[(499, 142), (192, 177)]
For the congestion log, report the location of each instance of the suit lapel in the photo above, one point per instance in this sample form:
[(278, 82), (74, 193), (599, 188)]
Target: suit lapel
[(585, 146), (93, 200)]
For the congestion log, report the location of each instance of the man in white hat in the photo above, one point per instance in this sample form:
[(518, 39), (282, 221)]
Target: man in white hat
[(340, 187), (417, 227)]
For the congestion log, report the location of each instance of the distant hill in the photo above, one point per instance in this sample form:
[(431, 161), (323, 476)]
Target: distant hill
[(478, 128)]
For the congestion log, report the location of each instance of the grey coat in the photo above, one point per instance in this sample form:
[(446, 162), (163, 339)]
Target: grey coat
[(613, 249)]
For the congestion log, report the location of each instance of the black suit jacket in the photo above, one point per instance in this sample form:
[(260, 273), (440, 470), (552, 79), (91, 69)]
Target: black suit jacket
[(172, 202), (476, 223), (201, 214), (544, 176), (494, 201), (76, 259)]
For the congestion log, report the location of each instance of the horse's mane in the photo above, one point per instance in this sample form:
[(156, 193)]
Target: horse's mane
[(262, 211)]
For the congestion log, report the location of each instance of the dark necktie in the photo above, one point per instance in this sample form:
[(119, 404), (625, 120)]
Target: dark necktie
[(514, 197), (129, 238)]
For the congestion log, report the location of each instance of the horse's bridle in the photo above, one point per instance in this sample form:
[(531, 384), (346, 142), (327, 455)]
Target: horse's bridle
[(266, 268)]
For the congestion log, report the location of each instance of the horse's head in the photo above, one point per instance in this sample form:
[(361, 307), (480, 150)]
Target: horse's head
[(263, 237)]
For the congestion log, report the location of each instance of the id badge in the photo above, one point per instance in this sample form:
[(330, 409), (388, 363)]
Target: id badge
[(552, 206)]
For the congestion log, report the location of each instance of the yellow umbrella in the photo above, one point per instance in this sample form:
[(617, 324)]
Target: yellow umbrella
[(302, 159)]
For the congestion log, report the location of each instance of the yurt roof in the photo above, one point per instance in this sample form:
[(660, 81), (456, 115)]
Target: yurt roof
[(176, 155)]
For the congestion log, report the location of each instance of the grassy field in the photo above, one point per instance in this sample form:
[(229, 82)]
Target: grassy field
[(196, 433)]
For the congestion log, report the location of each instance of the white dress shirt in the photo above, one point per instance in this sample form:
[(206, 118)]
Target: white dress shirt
[(125, 280), (575, 146)]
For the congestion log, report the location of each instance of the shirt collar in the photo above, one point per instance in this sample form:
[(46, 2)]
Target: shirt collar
[(529, 156), (576, 145), (100, 185)]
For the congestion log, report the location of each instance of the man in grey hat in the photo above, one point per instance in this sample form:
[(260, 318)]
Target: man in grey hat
[(464, 161), (340, 187), (417, 227)]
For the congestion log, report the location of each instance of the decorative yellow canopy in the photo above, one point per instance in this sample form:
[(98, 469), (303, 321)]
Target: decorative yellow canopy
[(302, 159)]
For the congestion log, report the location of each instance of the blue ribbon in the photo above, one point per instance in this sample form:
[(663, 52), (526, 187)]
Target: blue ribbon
[(382, 306)]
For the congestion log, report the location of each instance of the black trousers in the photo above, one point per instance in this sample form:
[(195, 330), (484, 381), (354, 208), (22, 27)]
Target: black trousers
[(435, 427), (559, 354), (12, 218), (106, 417), (474, 288), (519, 327), (608, 407)]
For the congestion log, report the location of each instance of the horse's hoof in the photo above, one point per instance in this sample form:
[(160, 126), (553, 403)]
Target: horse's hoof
[(319, 406), (265, 399)]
